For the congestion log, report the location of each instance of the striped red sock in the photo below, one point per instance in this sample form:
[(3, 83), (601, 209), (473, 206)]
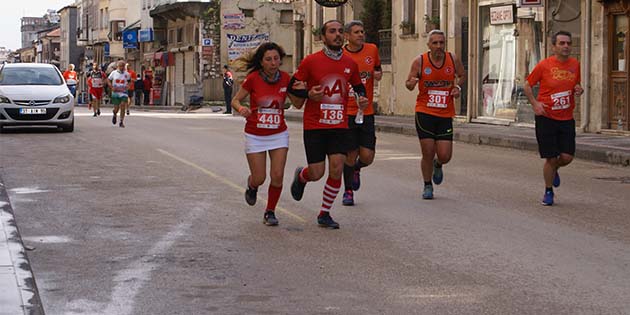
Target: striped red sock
[(304, 175), (331, 190), (273, 196)]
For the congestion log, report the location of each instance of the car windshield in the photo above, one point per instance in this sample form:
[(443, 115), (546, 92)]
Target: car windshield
[(30, 76)]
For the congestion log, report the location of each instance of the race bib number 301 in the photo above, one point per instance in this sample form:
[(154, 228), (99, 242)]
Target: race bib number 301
[(268, 118), (331, 114), (561, 100), (437, 98)]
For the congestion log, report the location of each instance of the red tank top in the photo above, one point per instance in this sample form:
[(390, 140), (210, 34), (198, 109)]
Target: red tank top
[(435, 85)]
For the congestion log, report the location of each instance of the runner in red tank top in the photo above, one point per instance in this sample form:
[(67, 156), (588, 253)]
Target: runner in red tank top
[(363, 133), (327, 74), (265, 129), (559, 78), (439, 76)]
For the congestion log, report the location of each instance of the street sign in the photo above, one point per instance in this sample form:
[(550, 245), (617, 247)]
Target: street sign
[(130, 38), (145, 35), (206, 42)]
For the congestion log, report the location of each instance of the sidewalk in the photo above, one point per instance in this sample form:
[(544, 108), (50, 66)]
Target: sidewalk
[(18, 292), (612, 149)]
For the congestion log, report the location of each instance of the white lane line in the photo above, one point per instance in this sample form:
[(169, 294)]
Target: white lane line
[(27, 190), (227, 182)]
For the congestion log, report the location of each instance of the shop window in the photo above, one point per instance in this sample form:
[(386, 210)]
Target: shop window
[(620, 43), (286, 16)]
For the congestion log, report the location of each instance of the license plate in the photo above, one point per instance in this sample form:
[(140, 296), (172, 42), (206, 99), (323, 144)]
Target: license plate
[(28, 111)]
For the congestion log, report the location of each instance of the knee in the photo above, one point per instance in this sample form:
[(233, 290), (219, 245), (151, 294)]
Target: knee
[(565, 159), (443, 159), (257, 180), (276, 178)]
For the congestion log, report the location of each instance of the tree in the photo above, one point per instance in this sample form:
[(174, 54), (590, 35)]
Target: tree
[(372, 18)]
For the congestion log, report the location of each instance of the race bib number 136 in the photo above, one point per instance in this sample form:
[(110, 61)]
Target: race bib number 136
[(331, 114)]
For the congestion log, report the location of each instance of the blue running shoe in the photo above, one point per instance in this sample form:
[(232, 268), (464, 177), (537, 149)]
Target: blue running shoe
[(327, 221), (548, 198), (556, 180), (428, 192), (348, 198), (438, 175), (356, 180), (297, 187)]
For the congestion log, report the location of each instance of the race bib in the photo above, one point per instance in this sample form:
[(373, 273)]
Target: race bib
[(331, 114), (268, 118), (561, 100), (437, 98), (120, 86), (97, 82)]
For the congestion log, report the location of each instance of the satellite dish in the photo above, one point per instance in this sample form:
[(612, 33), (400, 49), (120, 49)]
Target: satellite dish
[(331, 3)]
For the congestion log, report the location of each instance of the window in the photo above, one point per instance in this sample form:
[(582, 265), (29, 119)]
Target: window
[(286, 16), (319, 17), (408, 24), (180, 34), (116, 30), (248, 13), (341, 12), (106, 18), (171, 36)]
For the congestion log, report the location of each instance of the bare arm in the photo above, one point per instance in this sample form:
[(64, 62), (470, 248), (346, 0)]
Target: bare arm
[(539, 108), (412, 77), (460, 76), (236, 103)]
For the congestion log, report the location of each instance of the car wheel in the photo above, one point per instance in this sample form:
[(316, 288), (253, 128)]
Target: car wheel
[(68, 128)]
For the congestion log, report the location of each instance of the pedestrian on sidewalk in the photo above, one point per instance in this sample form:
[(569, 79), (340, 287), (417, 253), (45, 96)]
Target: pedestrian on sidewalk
[(119, 81), (439, 75), (328, 75), (96, 81), (139, 88), (265, 130), (148, 85), (559, 79), (228, 82), (360, 122), (71, 79)]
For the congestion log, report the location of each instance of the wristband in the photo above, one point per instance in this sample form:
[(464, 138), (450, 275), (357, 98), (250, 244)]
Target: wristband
[(458, 87)]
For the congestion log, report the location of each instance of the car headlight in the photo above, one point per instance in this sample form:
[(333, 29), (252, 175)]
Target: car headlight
[(4, 99), (62, 99)]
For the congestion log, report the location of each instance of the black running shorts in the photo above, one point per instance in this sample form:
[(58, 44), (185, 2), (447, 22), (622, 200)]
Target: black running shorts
[(433, 127), (319, 143), (555, 137), (362, 135)]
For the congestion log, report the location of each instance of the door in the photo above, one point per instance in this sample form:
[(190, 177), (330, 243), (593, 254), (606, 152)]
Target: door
[(618, 72)]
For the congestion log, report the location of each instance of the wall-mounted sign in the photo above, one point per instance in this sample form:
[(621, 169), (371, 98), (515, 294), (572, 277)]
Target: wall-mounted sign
[(241, 44), (331, 3), (233, 21), (530, 3), (502, 14), (206, 42), (145, 35)]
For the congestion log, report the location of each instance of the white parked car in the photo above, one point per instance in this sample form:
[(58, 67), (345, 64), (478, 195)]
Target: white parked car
[(34, 94)]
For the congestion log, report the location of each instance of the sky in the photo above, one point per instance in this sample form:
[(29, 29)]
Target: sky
[(12, 10)]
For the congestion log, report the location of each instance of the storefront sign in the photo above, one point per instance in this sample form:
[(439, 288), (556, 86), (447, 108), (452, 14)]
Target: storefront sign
[(502, 15), (145, 35), (233, 21), (241, 44), (331, 3), (130, 39)]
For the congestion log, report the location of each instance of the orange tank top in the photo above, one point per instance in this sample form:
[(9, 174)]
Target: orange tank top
[(435, 85)]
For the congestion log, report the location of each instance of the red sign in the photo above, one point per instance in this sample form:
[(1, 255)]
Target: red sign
[(502, 15), (207, 52)]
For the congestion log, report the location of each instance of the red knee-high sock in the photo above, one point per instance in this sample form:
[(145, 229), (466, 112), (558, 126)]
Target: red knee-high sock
[(273, 196), (304, 175), (331, 190)]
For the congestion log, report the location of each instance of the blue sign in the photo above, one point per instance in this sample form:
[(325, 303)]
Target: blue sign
[(130, 38), (145, 35), (106, 50)]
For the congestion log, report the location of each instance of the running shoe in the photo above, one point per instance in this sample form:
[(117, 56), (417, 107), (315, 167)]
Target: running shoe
[(94, 114), (556, 180), (428, 192), (348, 198), (356, 180), (438, 175), (548, 198), (114, 120), (297, 187), (127, 112), (325, 220), (121, 125), (250, 195), (98, 112), (270, 218)]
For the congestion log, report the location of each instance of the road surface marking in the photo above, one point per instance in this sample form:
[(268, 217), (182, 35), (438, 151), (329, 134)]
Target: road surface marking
[(226, 182)]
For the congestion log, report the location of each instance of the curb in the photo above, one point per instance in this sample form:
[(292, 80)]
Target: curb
[(583, 151), (20, 290)]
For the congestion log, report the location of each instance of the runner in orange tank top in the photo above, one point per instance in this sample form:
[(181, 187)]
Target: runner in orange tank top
[(439, 75)]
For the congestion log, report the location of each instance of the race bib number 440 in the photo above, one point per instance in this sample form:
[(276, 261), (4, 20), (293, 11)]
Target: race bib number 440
[(561, 100), (331, 114), (437, 98), (268, 118)]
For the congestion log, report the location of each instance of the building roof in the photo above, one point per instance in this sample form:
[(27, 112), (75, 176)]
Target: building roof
[(54, 33)]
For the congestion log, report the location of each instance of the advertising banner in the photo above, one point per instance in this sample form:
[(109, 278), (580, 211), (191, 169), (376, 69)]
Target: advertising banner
[(240, 44), (233, 21)]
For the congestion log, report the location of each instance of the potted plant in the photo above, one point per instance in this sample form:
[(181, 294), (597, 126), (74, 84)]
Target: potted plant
[(431, 22), (406, 27), (317, 32)]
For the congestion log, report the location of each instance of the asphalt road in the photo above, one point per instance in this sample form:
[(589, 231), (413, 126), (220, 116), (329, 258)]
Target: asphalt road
[(151, 219)]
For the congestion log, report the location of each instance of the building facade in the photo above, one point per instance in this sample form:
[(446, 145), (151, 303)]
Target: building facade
[(70, 52)]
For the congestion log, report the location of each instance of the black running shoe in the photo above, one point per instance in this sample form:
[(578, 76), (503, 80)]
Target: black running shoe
[(270, 218), (114, 119), (127, 112), (250, 195), (98, 112), (325, 220), (297, 187), (121, 125), (94, 114)]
